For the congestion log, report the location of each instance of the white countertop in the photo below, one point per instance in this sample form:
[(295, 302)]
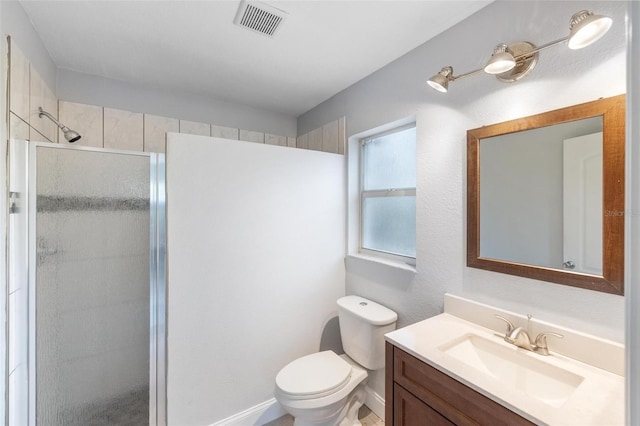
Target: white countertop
[(598, 400)]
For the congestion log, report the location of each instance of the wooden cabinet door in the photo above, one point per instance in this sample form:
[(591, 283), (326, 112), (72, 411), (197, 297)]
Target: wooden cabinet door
[(410, 411)]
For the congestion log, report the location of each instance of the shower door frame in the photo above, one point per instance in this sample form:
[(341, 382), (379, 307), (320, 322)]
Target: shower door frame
[(157, 278)]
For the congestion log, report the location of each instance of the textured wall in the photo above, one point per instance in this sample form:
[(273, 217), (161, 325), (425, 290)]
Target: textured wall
[(561, 78)]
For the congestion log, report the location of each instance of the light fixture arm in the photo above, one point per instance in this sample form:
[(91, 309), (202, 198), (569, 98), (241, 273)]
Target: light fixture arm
[(541, 48), (466, 74), (517, 58)]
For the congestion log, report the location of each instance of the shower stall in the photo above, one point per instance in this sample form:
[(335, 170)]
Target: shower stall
[(87, 291)]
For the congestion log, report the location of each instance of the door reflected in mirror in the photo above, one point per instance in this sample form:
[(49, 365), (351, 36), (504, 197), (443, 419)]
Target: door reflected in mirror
[(541, 196), (545, 196)]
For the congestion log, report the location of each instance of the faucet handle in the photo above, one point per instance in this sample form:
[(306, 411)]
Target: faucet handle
[(541, 342), (510, 325)]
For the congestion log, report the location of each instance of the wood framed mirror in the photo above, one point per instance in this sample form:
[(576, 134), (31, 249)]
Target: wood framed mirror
[(545, 196)]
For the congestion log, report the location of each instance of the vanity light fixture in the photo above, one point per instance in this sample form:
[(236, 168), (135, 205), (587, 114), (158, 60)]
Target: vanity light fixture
[(440, 81), (587, 28), (501, 61), (511, 62)]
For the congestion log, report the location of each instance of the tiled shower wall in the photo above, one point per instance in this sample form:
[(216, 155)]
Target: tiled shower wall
[(27, 91), (75, 311), (118, 129), (100, 127), (132, 131), (125, 130), (112, 129), (328, 138)]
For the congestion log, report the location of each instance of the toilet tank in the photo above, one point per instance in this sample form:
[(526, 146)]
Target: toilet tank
[(363, 324)]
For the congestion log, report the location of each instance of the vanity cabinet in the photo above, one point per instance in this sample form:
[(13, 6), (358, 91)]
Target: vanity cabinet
[(418, 394)]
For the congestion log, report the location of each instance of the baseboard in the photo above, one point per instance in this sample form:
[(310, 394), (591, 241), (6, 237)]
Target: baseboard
[(375, 402), (255, 416)]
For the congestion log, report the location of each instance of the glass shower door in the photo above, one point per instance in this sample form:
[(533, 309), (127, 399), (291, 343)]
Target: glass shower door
[(96, 288)]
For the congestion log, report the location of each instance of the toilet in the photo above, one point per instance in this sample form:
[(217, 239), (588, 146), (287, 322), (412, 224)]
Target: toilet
[(327, 389)]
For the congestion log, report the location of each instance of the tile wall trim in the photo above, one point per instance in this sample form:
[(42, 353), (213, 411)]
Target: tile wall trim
[(321, 139)]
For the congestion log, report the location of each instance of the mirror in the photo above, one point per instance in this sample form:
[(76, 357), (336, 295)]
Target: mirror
[(545, 196)]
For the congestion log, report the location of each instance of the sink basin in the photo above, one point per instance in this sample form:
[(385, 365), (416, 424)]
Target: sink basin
[(514, 368)]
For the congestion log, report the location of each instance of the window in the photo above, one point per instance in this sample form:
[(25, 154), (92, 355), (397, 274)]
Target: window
[(388, 194)]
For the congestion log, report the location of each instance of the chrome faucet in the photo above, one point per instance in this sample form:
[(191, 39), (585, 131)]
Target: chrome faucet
[(519, 337)]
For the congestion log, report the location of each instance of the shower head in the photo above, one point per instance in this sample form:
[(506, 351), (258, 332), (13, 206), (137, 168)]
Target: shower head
[(70, 135)]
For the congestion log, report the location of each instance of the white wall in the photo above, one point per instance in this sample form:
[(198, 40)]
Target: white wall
[(561, 78), (15, 23), (93, 90), (256, 246)]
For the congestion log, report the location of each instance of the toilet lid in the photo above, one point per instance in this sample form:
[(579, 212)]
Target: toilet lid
[(314, 375)]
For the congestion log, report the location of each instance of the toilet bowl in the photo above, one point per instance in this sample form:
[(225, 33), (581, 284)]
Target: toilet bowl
[(326, 389), (321, 388)]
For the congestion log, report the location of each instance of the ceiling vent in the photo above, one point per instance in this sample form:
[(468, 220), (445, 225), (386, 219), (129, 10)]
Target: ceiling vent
[(259, 17)]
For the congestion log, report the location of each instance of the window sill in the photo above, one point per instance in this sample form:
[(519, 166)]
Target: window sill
[(382, 261)]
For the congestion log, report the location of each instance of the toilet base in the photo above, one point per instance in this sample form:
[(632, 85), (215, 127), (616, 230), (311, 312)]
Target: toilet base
[(346, 416), (337, 409), (353, 407)]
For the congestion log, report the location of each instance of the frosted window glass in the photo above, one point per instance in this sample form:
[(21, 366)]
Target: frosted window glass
[(389, 161), (92, 288), (389, 225)]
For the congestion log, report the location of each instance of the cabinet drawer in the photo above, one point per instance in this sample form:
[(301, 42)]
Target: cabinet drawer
[(410, 411), (457, 402)]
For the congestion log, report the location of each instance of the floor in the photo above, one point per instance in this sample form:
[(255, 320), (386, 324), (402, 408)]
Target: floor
[(366, 416), (128, 410)]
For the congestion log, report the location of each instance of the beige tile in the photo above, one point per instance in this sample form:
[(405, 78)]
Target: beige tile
[(330, 137), (365, 415), (19, 83), (315, 139), (275, 140), (155, 131), (123, 130), (286, 420), (342, 135), (225, 132), (291, 142), (84, 119), (303, 141), (251, 136), (36, 136), (195, 128), (18, 129), (40, 95), (368, 417)]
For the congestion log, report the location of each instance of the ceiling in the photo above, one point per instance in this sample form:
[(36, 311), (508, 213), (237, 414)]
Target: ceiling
[(321, 48)]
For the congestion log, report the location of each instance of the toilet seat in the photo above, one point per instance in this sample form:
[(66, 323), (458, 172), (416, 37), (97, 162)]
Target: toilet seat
[(314, 376)]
